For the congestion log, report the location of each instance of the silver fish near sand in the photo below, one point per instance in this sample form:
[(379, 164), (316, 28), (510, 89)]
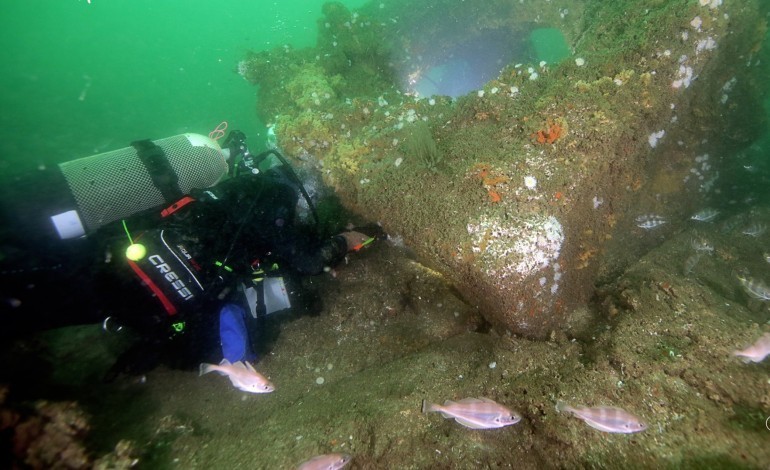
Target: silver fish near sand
[(690, 263), (325, 462), (705, 215), (757, 352), (701, 245), (241, 374), (605, 418), (755, 288), (649, 221), (475, 413), (755, 229)]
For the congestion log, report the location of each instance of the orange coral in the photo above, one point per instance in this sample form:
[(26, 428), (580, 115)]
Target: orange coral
[(585, 256), (552, 132), (493, 180), (489, 181), (481, 170)]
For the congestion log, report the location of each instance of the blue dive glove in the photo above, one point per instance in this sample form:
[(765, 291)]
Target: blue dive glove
[(233, 334)]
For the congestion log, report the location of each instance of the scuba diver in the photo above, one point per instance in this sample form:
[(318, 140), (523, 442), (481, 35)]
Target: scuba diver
[(187, 244)]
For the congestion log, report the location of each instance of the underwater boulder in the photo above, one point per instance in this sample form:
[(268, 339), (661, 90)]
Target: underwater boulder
[(550, 177)]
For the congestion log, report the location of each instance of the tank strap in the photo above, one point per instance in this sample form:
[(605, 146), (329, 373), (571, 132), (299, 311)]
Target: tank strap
[(159, 168), (176, 206)]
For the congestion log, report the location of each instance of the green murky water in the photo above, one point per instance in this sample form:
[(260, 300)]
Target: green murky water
[(83, 77)]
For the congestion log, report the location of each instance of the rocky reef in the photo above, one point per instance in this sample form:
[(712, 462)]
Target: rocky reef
[(52, 435), (393, 334), (548, 177)]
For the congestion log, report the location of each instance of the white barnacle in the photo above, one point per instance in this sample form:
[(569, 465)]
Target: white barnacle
[(653, 138), (530, 182)]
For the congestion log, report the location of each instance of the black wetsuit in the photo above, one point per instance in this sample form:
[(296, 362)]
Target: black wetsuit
[(227, 229)]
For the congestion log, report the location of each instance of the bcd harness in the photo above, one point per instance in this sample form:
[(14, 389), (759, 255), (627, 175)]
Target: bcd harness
[(170, 268), (171, 271)]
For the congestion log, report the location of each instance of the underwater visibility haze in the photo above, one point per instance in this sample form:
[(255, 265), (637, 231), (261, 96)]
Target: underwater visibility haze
[(568, 202)]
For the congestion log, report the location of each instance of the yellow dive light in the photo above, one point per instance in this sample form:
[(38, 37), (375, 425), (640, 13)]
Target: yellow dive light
[(136, 251)]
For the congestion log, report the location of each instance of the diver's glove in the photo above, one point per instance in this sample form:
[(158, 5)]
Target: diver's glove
[(234, 335), (359, 237)]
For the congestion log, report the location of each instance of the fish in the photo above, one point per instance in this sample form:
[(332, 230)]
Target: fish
[(475, 413), (755, 230), (701, 245), (705, 215), (605, 418), (241, 374), (325, 462), (755, 288), (649, 221), (757, 352), (690, 263)]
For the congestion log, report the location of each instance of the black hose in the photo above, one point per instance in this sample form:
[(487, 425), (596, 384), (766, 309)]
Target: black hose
[(289, 171)]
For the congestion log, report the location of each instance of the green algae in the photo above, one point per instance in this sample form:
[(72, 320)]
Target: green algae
[(421, 146)]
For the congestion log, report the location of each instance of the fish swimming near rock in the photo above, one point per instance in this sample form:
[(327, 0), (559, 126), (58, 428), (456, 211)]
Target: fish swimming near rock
[(690, 263), (757, 352), (241, 374), (605, 418), (705, 215), (475, 413), (755, 229), (650, 221), (325, 462), (755, 288)]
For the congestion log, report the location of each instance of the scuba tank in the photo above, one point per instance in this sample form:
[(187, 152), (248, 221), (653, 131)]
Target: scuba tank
[(114, 185)]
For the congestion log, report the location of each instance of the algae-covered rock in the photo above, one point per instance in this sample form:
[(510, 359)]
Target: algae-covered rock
[(353, 379), (552, 176)]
